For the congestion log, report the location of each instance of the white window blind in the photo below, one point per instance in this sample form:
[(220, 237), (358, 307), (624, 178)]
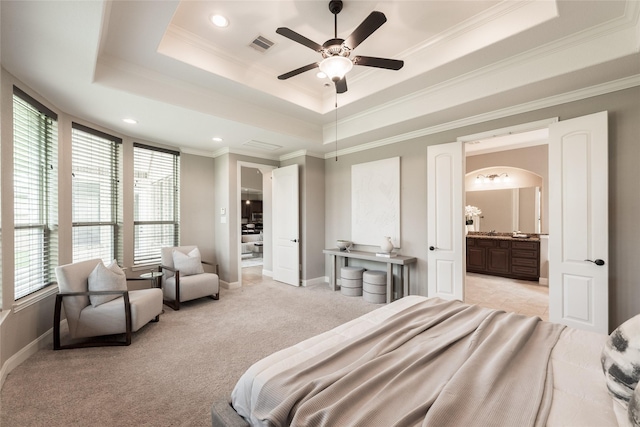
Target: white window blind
[(156, 202), (35, 135), (96, 182)]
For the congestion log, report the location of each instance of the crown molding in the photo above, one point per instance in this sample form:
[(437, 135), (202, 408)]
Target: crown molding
[(612, 33), (564, 98), (195, 152)]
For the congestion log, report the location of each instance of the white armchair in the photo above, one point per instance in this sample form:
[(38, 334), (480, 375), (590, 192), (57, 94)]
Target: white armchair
[(108, 311), (184, 277)]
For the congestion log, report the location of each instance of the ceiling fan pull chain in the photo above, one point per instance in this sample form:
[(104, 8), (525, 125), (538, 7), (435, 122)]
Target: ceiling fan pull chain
[(336, 108)]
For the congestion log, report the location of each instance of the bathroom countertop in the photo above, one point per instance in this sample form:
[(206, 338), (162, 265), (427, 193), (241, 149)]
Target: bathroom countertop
[(502, 236)]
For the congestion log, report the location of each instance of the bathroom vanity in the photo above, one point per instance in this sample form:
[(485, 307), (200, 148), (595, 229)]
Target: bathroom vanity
[(500, 254)]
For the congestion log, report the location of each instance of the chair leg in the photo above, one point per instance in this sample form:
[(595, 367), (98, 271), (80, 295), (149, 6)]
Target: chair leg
[(56, 322), (216, 296), (173, 304)]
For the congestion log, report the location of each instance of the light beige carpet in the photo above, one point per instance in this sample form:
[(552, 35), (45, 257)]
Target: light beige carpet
[(176, 368)]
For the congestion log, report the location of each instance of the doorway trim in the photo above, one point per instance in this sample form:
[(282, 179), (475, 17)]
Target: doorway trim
[(264, 169), (503, 132), (509, 130)]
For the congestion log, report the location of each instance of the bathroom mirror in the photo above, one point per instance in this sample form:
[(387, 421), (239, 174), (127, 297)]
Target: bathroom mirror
[(507, 210)]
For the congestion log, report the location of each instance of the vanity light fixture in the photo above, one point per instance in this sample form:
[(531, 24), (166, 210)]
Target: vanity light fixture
[(493, 178)]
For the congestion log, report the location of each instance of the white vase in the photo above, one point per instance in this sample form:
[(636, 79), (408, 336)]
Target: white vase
[(386, 245)]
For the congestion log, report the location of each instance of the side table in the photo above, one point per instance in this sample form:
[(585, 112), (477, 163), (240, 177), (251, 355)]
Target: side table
[(154, 276)]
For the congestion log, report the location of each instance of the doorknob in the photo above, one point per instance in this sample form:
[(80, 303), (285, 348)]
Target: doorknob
[(294, 240), (432, 248), (596, 262)]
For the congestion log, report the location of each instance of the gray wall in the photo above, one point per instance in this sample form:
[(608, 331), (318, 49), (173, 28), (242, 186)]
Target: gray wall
[(413, 203), (624, 196), (197, 204), (224, 242), (251, 178)]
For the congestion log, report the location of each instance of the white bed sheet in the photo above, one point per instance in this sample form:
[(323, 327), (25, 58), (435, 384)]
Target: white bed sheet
[(580, 396)]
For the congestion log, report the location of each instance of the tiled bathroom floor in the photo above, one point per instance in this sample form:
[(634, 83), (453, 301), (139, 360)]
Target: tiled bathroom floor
[(520, 296)]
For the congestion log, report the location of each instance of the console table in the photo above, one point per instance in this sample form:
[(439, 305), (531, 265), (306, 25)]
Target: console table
[(400, 260)]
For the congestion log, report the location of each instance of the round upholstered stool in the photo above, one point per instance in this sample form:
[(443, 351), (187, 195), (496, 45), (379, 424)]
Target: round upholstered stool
[(351, 281), (374, 284)]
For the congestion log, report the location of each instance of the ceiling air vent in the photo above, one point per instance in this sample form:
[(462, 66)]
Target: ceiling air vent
[(261, 145), (261, 44)]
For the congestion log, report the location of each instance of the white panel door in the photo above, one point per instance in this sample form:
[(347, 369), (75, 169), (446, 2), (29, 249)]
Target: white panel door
[(446, 262), (286, 239), (578, 223)]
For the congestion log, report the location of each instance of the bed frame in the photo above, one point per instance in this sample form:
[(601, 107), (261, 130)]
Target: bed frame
[(223, 415)]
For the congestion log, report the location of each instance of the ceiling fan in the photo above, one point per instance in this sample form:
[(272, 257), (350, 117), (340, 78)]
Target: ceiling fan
[(336, 63)]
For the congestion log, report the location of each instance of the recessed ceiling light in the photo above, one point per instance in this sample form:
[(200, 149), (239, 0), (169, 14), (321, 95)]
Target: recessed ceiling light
[(130, 121), (217, 139), (321, 75), (219, 21)]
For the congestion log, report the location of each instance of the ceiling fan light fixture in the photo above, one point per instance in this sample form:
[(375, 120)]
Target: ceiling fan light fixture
[(336, 67)]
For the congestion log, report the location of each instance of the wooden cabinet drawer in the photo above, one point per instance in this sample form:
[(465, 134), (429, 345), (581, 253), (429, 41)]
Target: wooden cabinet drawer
[(527, 262), (518, 270), (486, 243), (525, 245), (520, 253)]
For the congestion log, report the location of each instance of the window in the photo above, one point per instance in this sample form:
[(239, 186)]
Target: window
[(35, 135), (156, 206), (95, 172)]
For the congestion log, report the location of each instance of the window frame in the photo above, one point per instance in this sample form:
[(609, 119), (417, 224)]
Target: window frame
[(38, 272), (146, 254), (112, 162)]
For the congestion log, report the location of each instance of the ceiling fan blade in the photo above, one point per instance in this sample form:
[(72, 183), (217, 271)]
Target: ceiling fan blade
[(298, 71), (371, 61), (365, 29), (341, 85), (290, 34)]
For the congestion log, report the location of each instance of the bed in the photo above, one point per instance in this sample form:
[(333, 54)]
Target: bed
[(426, 361)]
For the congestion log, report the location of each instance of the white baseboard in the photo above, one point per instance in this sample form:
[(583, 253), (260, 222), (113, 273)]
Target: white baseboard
[(227, 285), (315, 281), (43, 341), (543, 281), (267, 273)]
